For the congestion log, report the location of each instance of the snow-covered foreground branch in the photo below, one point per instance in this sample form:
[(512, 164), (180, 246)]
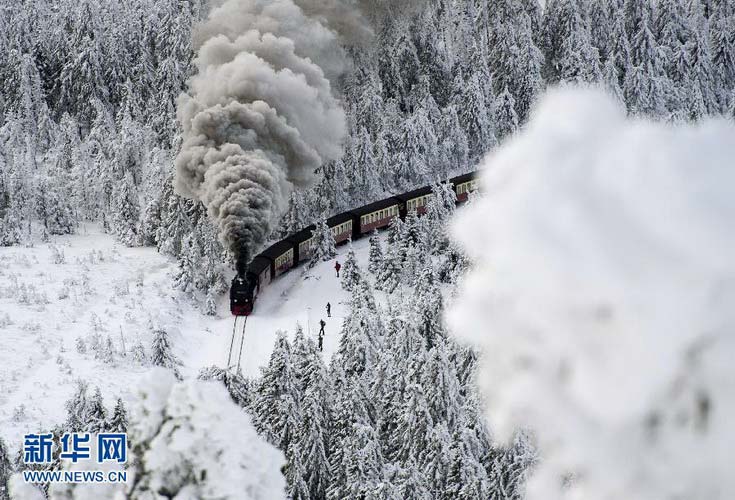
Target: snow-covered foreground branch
[(603, 296), (189, 440)]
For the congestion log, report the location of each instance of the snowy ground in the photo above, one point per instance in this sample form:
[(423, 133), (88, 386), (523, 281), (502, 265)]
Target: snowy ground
[(104, 290)]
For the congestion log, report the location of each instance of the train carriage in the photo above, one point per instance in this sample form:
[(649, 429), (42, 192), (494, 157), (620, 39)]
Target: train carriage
[(415, 200), (260, 267), (464, 185), (377, 215), (281, 256), (343, 227), (303, 243)]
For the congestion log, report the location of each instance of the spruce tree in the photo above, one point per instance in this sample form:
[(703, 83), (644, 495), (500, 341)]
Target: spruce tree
[(119, 420), (126, 210), (314, 428), (6, 470), (239, 388), (96, 414), (161, 352), (77, 409), (506, 118), (376, 253), (351, 275), (324, 244), (275, 402)]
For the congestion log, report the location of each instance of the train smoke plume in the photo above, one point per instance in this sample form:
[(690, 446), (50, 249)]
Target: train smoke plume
[(259, 116)]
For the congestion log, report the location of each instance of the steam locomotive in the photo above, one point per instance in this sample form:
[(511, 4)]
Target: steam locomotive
[(297, 248)]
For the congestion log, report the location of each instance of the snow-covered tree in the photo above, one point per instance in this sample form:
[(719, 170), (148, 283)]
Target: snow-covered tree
[(96, 415), (161, 352), (506, 118), (6, 469), (351, 274), (190, 438), (118, 422), (324, 244), (235, 383), (77, 409), (275, 401)]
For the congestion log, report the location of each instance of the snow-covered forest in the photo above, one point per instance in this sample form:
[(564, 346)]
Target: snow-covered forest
[(396, 414), (89, 133), (88, 97)]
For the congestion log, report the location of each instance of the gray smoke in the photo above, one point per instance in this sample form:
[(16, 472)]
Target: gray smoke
[(259, 116)]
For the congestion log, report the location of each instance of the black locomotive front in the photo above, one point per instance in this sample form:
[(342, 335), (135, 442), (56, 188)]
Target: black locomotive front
[(241, 296)]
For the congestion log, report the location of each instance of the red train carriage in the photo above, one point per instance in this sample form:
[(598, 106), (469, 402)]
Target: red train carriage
[(303, 244), (416, 200), (377, 215), (343, 227), (464, 185), (281, 256)]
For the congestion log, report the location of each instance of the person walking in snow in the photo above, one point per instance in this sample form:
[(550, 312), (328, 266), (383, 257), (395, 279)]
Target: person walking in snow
[(329, 310), (322, 324), (337, 267)]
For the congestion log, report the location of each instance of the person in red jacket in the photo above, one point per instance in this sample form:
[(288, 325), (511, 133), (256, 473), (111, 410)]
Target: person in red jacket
[(337, 267)]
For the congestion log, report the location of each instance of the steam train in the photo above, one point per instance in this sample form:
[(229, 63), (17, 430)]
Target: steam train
[(297, 248)]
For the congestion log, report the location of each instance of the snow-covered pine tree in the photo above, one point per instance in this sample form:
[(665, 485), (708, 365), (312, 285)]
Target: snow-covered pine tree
[(126, 210), (646, 85), (188, 265), (376, 253), (275, 406), (182, 416), (77, 409), (411, 482), (324, 244), (434, 460), (175, 221), (119, 420), (453, 144), (96, 416), (472, 98), (722, 37), (611, 81), (237, 386), (355, 459), (417, 149), (413, 427), (441, 383), (6, 470), (312, 441), (360, 335), (161, 353), (467, 477), (363, 465), (12, 214), (506, 118), (509, 468), (351, 275), (389, 275)]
